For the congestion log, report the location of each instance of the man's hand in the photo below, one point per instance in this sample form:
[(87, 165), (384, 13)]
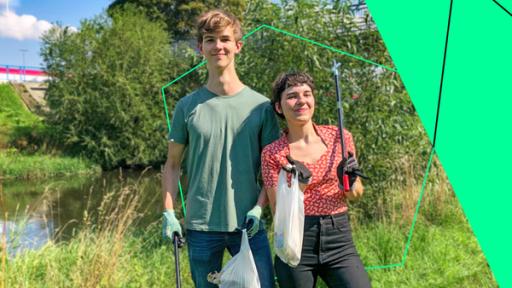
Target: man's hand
[(296, 167), (252, 221), (170, 225), (351, 168)]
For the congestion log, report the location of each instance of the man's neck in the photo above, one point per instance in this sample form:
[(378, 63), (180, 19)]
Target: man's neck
[(224, 82)]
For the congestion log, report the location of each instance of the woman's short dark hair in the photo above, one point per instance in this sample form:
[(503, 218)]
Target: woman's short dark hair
[(286, 80)]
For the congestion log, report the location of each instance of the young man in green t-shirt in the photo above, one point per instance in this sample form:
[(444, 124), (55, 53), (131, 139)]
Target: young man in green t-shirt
[(219, 131)]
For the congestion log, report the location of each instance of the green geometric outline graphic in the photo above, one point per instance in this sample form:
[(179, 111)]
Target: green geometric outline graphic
[(427, 170), (501, 6)]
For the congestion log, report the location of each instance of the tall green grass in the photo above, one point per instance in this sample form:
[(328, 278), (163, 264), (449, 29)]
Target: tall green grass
[(112, 250), (439, 257)]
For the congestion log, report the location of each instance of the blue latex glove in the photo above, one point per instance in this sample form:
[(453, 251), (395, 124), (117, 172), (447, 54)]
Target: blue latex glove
[(252, 221), (170, 225)]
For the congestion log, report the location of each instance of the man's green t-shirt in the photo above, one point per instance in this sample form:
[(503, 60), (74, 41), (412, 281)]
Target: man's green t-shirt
[(224, 137)]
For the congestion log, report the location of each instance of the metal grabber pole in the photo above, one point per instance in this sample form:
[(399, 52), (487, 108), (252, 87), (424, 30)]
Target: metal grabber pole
[(178, 243), (346, 186)]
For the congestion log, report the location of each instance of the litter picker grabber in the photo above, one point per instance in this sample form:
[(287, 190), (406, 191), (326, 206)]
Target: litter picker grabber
[(178, 243), (346, 186)]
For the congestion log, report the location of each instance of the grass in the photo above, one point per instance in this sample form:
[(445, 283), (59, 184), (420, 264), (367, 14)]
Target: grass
[(440, 257), (12, 109), (13, 113), (19, 166), (108, 251), (17, 126), (90, 262), (112, 250)]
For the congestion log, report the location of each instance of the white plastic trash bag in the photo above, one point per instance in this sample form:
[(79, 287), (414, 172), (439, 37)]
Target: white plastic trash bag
[(289, 220), (240, 271)]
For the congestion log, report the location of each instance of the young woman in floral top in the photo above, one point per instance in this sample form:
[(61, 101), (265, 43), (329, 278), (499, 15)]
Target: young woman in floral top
[(314, 153)]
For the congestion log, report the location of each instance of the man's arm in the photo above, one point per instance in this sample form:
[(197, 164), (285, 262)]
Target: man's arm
[(171, 174)]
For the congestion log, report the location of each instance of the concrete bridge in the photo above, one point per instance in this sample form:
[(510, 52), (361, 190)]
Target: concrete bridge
[(32, 94)]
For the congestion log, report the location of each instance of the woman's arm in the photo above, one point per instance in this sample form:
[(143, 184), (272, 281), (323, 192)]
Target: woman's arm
[(262, 198), (270, 169), (271, 194)]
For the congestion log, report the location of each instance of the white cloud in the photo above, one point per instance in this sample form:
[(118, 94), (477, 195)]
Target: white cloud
[(72, 29), (21, 27)]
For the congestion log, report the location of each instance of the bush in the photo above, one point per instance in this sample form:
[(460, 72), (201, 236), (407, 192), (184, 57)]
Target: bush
[(104, 92)]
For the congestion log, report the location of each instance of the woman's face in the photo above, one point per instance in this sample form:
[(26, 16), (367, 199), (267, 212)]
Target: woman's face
[(297, 104)]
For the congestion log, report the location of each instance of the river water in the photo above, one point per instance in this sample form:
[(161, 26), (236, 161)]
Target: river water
[(37, 211)]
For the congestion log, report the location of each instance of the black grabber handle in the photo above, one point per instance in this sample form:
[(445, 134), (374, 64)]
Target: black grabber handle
[(178, 243)]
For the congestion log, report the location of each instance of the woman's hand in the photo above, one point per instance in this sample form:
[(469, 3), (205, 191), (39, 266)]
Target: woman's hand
[(350, 167), (296, 167)]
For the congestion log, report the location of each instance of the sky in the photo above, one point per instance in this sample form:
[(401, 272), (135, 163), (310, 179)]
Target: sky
[(23, 21)]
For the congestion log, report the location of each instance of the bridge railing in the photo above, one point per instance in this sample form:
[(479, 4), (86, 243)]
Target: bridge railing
[(17, 73)]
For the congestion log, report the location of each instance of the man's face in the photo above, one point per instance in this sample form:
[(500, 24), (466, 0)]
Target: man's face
[(220, 48)]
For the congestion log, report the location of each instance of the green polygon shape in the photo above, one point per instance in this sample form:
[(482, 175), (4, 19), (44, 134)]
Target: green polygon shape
[(425, 177), (474, 104)]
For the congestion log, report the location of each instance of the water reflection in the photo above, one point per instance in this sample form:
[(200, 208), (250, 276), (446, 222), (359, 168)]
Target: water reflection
[(26, 235), (53, 209)]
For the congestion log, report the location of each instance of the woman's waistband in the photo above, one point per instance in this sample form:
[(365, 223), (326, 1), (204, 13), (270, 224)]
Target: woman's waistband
[(316, 218)]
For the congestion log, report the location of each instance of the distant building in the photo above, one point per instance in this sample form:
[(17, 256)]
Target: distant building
[(13, 73)]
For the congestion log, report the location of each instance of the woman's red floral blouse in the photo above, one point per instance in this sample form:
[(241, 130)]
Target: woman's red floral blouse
[(322, 196)]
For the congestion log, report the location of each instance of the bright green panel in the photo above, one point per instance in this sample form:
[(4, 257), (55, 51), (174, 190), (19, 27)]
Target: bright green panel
[(475, 118), (475, 123)]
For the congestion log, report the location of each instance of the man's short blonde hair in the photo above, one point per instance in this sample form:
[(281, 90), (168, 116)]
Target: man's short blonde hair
[(217, 20)]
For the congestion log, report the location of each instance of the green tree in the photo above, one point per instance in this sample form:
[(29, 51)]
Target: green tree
[(104, 91), (180, 15)]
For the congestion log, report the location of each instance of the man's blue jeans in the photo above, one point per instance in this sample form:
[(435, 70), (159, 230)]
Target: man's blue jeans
[(206, 250)]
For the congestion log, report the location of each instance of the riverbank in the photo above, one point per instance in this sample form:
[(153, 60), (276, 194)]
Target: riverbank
[(13, 114), (439, 256), (21, 159), (112, 249), (14, 165)]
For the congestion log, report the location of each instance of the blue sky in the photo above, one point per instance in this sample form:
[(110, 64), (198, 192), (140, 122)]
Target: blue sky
[(24, 20)]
